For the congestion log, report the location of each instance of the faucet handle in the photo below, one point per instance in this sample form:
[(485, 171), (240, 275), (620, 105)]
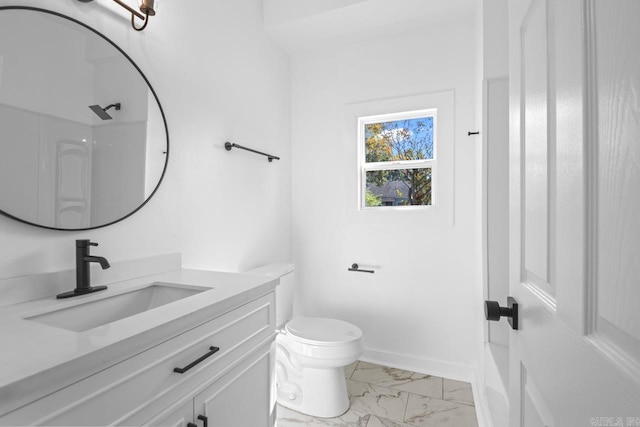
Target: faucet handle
[(83, 243)]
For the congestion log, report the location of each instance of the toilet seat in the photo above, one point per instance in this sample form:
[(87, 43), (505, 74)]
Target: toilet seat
[(320, 331)]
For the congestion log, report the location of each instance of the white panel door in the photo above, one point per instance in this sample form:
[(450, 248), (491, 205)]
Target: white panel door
[(575, 212)]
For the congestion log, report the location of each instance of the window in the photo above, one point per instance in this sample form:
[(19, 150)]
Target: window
[(397, 159)]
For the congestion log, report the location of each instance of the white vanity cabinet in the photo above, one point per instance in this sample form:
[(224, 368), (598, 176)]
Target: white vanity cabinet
[(230, 386), (240, 398)]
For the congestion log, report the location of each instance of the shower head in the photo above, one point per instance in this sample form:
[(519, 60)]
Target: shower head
[(102, 112)]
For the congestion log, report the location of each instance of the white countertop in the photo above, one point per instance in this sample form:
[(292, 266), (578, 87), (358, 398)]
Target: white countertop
[(37, 359)]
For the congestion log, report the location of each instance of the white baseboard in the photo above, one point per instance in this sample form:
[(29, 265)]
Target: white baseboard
[(452, 371), (482, 405), (439, 368)]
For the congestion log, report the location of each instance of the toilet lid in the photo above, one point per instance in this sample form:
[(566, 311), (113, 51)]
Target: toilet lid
[(322, 331)]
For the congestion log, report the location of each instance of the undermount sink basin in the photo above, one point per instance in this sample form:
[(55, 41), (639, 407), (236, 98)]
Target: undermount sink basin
[(92, 314)]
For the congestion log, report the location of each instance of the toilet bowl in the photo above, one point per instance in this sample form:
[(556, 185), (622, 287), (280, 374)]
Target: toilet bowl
[(310, 353)]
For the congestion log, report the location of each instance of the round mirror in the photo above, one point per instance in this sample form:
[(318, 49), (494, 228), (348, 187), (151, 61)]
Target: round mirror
[(83, 138)]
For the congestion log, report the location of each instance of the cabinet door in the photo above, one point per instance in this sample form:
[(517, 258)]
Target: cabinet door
[(241, 397), (175, 416)]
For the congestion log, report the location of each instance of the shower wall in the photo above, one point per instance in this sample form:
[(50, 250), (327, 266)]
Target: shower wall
[(118, 172), (53, 158), (47, 128), (73, 173)]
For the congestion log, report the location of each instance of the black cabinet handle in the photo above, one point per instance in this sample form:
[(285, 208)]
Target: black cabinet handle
[(192, 425), (493, 311), (195, 362), (205, 420)]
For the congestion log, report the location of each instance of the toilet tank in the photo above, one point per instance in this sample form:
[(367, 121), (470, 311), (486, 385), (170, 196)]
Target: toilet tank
[(284, 291)]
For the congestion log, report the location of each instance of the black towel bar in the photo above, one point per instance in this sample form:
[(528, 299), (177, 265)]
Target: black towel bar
[(228, 146)]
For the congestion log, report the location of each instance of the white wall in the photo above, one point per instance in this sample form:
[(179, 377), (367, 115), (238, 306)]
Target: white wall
[(420, 308), (277, 12), (218, 78), (495, 38)]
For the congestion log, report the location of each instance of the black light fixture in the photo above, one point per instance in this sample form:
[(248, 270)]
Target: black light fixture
[(147, 7)]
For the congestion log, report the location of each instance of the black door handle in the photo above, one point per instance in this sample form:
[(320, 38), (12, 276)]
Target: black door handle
[(205, 420), (195, 362), (493, 311)]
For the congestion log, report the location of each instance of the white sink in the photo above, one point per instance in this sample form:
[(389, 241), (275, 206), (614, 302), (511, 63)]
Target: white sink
[(96, 313)]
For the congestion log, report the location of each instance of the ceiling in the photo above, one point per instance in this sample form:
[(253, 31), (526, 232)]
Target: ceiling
[(299, 25)]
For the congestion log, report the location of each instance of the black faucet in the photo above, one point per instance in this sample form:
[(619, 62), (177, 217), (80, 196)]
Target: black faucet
[(83, 264)]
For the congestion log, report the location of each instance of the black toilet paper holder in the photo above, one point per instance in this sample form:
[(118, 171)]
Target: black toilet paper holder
[(356, 267)]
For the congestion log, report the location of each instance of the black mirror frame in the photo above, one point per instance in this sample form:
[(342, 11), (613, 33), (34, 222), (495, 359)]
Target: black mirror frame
[(164, 120)]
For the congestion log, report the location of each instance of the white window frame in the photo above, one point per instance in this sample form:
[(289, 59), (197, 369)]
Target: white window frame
[(365, 167)]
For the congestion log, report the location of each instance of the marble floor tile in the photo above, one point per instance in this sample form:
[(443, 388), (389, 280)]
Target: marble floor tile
[(348, 370), (375, 421), (387, 397), (290, 418), (425, 385), (375, 400), (457, 391), (429, 412)]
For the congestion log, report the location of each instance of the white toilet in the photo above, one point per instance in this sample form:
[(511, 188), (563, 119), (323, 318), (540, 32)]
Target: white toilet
[(311, 353)]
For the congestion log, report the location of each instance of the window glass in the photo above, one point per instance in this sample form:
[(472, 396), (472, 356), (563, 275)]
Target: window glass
[(398, 187), (409, 139), (397, 159)]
